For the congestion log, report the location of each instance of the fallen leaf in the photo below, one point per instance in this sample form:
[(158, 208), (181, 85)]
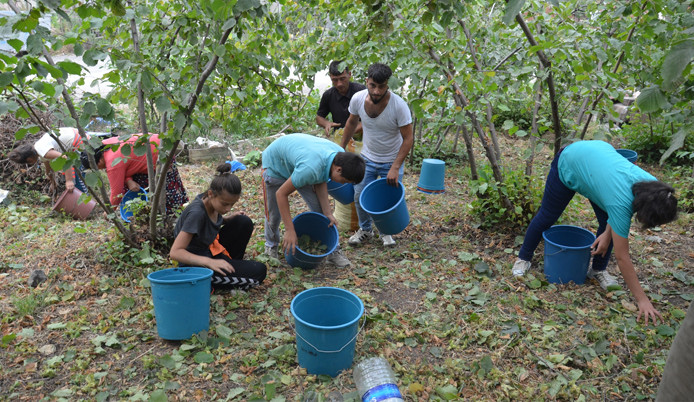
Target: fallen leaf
[(47, 349), (629, 306)]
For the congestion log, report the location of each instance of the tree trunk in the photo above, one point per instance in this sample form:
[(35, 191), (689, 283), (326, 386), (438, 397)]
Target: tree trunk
[(534, 131), (490, 110), (556, 122)]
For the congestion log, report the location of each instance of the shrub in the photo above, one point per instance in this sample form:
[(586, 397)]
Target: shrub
[(652, 142), (524, 192)]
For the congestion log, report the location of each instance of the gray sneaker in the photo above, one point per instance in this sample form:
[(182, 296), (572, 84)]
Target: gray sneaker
[(360, 236), (271, 252), (387, 240), (520, 267), (338, 259), (606, 281)]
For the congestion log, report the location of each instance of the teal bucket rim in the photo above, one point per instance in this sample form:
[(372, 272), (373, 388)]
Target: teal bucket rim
[(324, 327), (433, 161), (206, 273), (331, 228), (373, 184), (127, 197), (564, 247)]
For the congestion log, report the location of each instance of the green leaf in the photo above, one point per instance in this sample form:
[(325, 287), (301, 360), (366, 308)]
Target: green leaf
[(34, 44), (513, 7), (78, 49), (448, 392), (126, 303), (7, 339), (117, 8), (103, 107), (57, 164), (70, 67), (168, 362), (676, 142), (651, 100), (6, 78), (163, 104), (56, 325), (677, 59), (158, 396), (665, 330), (220, 50), (223, 331), (230, 23), (203, 357), (245, 5), (146, 79)]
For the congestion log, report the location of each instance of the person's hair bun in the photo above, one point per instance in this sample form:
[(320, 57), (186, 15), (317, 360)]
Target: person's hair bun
[(224, 168)]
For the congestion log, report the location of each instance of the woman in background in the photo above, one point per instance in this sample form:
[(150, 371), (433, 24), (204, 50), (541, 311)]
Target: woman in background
[(129, 172)]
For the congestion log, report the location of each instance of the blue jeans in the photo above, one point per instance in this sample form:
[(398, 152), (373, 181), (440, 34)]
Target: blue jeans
[(554, 201), (373, 171)]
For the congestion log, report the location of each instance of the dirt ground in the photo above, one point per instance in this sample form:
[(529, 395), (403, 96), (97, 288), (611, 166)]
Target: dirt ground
[(432, 309)]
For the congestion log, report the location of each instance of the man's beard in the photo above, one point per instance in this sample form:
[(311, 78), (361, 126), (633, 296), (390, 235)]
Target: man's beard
[(374, 100)]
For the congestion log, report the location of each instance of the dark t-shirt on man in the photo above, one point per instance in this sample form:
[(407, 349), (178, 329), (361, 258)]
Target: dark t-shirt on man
[(194, 220), (334, 103)]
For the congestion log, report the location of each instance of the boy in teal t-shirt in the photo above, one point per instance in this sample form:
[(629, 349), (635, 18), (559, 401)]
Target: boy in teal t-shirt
[(303, 163), (617, 189)]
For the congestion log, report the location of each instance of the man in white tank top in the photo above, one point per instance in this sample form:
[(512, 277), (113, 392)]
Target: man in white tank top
[(387, 124)]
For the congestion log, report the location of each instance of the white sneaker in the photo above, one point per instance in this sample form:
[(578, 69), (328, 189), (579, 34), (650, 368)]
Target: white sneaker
[(520, 267), (360, 236), (271, 252), (605, 280), (388, 240), (338, 259)]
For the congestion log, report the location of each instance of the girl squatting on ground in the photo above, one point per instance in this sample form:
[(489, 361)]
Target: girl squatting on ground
[(204, 237)]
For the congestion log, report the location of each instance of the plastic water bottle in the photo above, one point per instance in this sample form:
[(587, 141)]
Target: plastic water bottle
[(375, 381)]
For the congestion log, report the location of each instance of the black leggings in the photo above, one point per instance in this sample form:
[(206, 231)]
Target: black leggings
[(234, 237)]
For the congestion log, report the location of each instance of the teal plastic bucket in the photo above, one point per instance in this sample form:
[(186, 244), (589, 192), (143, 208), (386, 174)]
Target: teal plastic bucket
[(630, 155), (326, 320), (342, 193), (386, 206), (567, 253), (431, 177), (181, 301), (314, 225), (125, 212)]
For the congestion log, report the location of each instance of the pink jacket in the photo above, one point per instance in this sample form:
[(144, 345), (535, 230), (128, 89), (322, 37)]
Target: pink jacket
[(120, 171)]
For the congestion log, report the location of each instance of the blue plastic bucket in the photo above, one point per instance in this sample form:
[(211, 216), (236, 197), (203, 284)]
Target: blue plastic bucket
[(386, 206), (181, 301), (314, 225), (327, 325), (431, 176), (342, 193), (125, 212), (567, 253), (631, 156)]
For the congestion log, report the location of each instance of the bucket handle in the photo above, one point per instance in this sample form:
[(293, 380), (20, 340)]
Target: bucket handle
[(561, 250), (328, 351)]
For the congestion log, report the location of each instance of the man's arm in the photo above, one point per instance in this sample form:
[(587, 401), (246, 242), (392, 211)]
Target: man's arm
[(326, 124), (350, 129), (289, 241), (322, 194), (407, 141)]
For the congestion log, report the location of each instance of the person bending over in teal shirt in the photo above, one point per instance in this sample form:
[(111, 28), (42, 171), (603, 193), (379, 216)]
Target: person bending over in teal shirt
[(303, 163), (617, 189)]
